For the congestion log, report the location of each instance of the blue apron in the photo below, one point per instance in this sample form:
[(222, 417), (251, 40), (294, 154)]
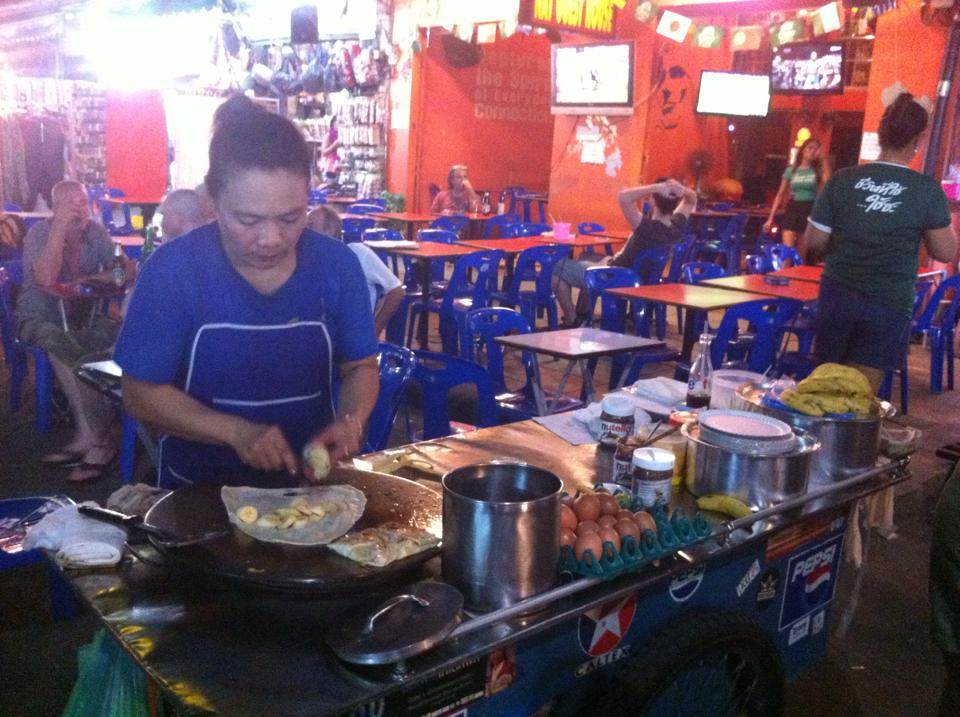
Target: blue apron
[(275, 374)]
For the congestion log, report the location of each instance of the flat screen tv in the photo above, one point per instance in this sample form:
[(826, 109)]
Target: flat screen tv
[(592, 79), (733, 94), (807, 68)]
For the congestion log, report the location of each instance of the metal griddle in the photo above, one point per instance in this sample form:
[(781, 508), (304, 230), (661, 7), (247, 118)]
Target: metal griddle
[(198, 509)]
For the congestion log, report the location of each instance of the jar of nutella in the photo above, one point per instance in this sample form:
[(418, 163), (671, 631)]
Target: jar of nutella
[(623, 464), (652, 476), (617, 420)]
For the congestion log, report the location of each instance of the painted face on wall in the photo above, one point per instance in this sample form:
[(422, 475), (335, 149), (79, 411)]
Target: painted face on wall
[(673, 91)]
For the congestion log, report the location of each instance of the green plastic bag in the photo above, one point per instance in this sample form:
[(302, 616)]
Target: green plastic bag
[(109, 683)]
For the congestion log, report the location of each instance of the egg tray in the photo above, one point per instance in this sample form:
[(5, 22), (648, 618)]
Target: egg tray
[(673, 533)]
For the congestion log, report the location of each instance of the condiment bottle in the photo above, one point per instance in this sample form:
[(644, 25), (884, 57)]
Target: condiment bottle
[(617, 420), (653, 476), (701, 373)]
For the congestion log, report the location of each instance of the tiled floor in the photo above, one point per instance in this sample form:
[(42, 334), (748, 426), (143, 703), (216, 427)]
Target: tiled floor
[(884, 666)]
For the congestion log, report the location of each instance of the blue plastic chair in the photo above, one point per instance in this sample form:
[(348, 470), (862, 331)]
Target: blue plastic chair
[(396, 365), (779, 254), (693, 272), (470, 287), (11, 207), (724, 245), (535, 264), (437, 374), (649, 265), (109, 206), (613, 317), (758, 264), (514, 204), (938, 322), (756, 348), (378, 201), (525, 200), (527, 229), (499, 225), (16, 351), (62, 602), (384, 234), (317, 196), (353, 228), (364, 208), (454, 223), (922, 291), (439, 235)]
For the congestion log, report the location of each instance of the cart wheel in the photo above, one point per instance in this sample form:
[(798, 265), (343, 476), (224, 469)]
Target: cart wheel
[(708, 665)]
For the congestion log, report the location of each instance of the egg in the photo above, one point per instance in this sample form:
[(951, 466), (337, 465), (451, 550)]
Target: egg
[(568, 519), (567, 537), (607, 521), (624, 514), (609, 535), (587, 526), (627, 527), (645, 521), (608, 504), (588, 541), (587, 507)]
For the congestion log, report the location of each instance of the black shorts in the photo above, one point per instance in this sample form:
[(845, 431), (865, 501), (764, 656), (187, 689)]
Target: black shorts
[(855, 328), (795, 217)]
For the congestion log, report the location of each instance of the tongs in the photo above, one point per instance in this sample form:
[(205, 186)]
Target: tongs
[(162, 537)]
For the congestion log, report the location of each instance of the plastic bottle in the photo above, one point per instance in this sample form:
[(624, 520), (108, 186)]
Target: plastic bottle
[(701, 374)]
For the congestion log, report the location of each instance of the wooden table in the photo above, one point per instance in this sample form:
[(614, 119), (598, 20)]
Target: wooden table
[(804, 272), (796, 289), (690, 297), (577, 346), (425, 253), (409, 219)]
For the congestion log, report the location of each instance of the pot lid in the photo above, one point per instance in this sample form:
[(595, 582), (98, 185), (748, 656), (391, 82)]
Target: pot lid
[(399, 627)]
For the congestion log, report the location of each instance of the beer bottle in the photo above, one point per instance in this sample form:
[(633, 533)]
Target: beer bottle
[(701, 375), (119, 274), (502, 204), (485, 205), (149, 242)]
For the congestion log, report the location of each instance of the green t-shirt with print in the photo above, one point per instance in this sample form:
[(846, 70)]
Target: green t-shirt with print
[(876, 215), (803, 183)]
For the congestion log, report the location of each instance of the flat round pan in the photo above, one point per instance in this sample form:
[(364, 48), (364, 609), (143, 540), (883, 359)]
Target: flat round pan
[(196, 510)]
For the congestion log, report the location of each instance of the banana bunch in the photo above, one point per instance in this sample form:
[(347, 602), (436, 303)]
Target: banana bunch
[(832, 388), (726, 504)]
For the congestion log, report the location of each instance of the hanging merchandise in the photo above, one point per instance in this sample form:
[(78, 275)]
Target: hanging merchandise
[(826, 19), (746, 37), (673, 25), (787, 32), (710, 36), (646, 11)]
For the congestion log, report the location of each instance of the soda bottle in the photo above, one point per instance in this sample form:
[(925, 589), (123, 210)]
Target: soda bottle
[(502, 203), (701, 373), (485, 204), (149, 242), (119, 274)]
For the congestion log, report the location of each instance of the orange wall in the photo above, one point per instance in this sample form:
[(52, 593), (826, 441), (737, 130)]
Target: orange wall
[(493, 117), (907, 50), (136, 144)]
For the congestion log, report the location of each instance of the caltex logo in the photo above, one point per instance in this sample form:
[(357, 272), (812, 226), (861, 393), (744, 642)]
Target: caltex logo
[(602, 628)]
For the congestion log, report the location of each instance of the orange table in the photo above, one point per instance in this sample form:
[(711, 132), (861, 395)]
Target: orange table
[(804, 272), (410, 219), (576, 241), (690, 297), (507, 246), (796, 289)]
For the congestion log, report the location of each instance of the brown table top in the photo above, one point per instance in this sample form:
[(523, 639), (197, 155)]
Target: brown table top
[(430, 250), (759, 284), (507, 246), (410, 217), (575, 344), (577, 240), (687, 295), (805, 272), (83, 290)]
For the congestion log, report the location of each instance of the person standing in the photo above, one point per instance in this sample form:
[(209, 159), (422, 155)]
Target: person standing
[(330, 153), (801, 182), (238, 331), (459, 196), (870, 220)]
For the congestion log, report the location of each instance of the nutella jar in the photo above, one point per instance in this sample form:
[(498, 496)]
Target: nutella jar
[(617, 420), (623, 464), (653, 476)]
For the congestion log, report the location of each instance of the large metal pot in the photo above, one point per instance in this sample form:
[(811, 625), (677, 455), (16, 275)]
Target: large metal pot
[(757, 480), (501, 532), (848, 445)]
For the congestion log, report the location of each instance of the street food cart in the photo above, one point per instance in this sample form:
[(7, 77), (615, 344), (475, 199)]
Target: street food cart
[(714, 628)]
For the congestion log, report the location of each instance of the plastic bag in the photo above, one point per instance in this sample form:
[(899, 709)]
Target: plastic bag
[(109, 683)]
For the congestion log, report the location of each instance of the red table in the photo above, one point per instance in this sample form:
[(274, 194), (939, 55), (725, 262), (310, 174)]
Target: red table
[(798, 290), (690, 297), (804, 272), (410, 219), (507, 246)]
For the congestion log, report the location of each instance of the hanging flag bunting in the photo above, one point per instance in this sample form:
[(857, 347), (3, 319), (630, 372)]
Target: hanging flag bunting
[(486, 32), (786, 32), (746, 37), (464, 32), (673, 25), (708, 36), (826, 19), (646, 11), (885, 6)]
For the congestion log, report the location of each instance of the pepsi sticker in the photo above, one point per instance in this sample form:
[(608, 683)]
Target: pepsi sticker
[(800, 630), (810, 580), (684, 585)]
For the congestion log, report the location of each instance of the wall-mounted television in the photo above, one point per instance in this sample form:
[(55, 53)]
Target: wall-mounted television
[(807, 68), (592, 79), (733, 94)]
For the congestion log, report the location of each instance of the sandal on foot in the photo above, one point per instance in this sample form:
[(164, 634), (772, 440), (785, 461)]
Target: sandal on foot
[(85, 471), (62, 459)]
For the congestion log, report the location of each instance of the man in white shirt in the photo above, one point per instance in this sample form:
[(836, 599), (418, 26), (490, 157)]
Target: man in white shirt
[(380, 280)]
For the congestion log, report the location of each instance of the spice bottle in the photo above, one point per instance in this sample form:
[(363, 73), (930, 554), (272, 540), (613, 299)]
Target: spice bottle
[(652, 476)]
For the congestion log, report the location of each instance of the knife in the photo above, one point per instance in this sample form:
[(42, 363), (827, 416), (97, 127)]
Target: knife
[(136, 522)]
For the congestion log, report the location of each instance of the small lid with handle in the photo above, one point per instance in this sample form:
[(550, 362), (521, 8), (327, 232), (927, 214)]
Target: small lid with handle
[(399, 627)]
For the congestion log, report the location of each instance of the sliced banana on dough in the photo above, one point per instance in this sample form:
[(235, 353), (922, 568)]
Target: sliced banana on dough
[(247, 514)]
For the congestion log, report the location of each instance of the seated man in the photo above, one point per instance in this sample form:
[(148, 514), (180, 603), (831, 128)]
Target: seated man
[(69, 248), (181, 211), (672, 204), (458, 197), (380, 280), (238, 331)]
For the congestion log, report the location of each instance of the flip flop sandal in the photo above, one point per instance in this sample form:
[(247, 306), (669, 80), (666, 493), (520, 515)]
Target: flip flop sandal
[(62, 459), (97, 470)]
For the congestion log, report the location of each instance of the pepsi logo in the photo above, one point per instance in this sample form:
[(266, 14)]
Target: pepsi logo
[(684, 585)]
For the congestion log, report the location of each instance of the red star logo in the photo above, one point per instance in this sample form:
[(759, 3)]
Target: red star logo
[(602, 628)]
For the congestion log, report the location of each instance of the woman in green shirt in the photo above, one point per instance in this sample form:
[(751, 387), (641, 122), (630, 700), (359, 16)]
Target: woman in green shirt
[(801, 182)]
